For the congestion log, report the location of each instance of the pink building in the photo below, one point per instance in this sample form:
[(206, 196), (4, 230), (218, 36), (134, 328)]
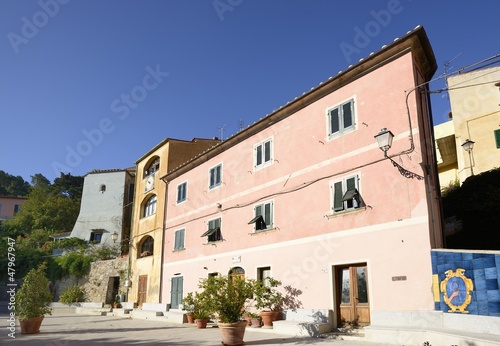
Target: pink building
[(9, 206), (306, 196)]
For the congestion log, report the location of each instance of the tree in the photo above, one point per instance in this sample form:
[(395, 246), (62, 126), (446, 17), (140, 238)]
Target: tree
[(49, 206), (476, 204), (13, 186)]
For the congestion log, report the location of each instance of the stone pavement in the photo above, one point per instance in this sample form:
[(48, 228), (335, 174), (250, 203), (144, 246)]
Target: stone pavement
[(68, 329)]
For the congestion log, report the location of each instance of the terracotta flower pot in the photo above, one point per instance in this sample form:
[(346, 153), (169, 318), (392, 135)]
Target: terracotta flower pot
[(232, 333), (31, 325), (201, 323), (268, 317), (256, 322), (190, 318)]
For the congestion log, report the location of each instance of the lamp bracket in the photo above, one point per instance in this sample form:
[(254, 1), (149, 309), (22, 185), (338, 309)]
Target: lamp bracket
[(404, 172)]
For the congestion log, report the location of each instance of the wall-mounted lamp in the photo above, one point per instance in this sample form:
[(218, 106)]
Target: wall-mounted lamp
[(384, 140), (468, 145), (114, 236)]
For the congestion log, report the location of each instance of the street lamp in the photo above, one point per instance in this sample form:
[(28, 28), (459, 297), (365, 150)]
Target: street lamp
[(468, 145), (114, 236), (384, 140)]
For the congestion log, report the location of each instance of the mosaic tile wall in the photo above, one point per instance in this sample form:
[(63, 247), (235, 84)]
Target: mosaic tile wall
[(483, 268)]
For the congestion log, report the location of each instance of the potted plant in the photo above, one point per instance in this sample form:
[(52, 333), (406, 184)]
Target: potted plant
[(269, 300), (226, 296), (255, 319), (188, 306), (32, 300), (199, 308)]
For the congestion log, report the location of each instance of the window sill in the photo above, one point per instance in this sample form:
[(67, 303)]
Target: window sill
[(179, 250), (263, 231), (345, 212), (213, 242)]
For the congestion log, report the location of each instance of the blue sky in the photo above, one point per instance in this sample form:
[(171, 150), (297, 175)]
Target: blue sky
[(96, 84)]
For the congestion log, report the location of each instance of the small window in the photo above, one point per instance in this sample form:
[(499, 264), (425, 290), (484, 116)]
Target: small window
[(346, 194), (152, 168), (341, 118), (17, 208), (181, 192), (263, 274), (214, 231), (263, 154), (263, 216), (102, 189), (146, 247), (497, 138), (150, 206), (179, 239), (215, 176), (96, 236)]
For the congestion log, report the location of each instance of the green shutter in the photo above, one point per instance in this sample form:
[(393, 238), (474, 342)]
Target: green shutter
[(334, 121), (268, 214), (181, 239), (347, 115), (258, 160), (337, 196), (497, 138), (351, 183), (267, 151)]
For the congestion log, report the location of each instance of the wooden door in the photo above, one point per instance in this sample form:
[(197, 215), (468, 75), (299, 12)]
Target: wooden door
[(142, 289), (353, 306), (176, 292)]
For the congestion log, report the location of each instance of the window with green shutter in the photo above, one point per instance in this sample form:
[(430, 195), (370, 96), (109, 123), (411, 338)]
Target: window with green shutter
[(263, 216), (263, 154), (179, 239), (214, 231), (341, 118), (497, 138), (215, 178), (345, 194)]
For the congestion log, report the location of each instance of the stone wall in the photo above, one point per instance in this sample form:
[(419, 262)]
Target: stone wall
[(97, 283)]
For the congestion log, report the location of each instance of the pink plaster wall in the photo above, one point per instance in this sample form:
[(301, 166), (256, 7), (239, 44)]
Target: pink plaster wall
[(391, 235)]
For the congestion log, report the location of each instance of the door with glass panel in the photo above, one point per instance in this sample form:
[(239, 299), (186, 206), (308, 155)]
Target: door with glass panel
[(352, 303)]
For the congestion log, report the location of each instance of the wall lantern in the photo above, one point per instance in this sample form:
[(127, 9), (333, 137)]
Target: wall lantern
[(114, 236), (468, 145), (384, 140)]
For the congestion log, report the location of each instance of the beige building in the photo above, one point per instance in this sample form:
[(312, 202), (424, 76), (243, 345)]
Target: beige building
[(475, 100), (148, 215), (10, 205)]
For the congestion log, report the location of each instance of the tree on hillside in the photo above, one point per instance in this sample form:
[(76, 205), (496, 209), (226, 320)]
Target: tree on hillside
[(53, 207), (13, 186)]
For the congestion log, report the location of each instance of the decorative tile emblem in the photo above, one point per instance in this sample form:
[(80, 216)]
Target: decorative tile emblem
[(456, 288)]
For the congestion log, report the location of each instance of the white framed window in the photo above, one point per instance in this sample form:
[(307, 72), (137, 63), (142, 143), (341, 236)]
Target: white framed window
[(182, 192), (214, 231), (341, 118), (263, 216), (345, 194), (215, 176), (179, 239), (263, 154), (150, 206)]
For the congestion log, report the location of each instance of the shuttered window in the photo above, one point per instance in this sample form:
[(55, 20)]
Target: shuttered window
[(179, 239), (263, 154), (341, 118), (263, 216), (345, 194), (497, 138), (215, 176)]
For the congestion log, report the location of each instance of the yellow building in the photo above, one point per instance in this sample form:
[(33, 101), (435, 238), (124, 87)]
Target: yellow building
[(475, 100), (148, 217)]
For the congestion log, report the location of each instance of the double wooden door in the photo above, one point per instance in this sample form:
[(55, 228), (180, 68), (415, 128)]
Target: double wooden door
[(353, 305)]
